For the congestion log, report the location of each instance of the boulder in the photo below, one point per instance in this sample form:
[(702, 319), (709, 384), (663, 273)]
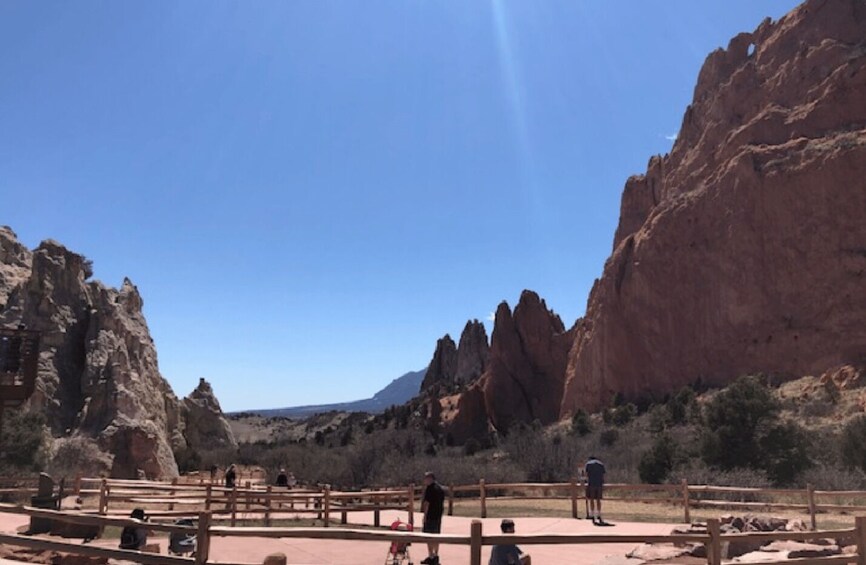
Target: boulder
[(275, 559), (657, 552), (795, 549)]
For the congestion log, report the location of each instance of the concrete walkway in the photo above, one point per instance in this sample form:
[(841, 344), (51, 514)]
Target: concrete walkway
[(322, 552)]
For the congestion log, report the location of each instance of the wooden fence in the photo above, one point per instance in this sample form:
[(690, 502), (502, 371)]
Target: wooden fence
[(714, 540), (263, 503)]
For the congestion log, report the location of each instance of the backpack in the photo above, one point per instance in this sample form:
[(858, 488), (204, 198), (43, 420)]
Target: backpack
[(128, 538)]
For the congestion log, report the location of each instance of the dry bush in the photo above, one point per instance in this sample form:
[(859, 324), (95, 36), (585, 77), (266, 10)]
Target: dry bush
[(77, 456)]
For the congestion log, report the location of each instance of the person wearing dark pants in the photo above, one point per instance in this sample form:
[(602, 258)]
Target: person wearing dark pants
[(595, 471), (432, 505)]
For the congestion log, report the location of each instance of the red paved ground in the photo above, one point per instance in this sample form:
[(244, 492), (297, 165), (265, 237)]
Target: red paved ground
[(318, 552)]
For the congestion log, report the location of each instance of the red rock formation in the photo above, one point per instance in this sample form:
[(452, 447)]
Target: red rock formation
[(525, 374), (443, 366), (744, 249)]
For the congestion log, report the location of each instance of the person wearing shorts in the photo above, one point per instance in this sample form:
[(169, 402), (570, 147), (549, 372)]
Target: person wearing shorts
[(433, 506), (594, 471)]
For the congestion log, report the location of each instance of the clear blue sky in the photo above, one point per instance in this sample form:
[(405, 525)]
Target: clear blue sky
[(308, 194)]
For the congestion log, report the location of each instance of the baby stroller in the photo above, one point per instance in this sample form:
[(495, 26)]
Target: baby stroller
[(398, 553), (181, 543)]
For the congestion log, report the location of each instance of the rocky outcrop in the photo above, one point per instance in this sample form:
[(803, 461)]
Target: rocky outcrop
[(204, 424), (472, 353), (525, 374), (528, 357), (442, 368), (98, 373), (744, 249), (453, 366)]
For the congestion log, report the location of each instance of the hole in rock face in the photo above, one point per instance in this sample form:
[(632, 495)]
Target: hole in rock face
[(751, 49)]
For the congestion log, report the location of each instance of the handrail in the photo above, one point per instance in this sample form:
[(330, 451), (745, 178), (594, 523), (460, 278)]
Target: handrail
[(93, 551), (713, 538), (91, 519)]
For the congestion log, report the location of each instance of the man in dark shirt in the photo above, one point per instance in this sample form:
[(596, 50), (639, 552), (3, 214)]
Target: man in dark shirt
[(283, 479), (432, 506), (594, 470), (508, 554)]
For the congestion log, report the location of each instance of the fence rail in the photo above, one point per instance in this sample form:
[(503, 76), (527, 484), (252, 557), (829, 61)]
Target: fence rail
[(476, 540), (255, 501)]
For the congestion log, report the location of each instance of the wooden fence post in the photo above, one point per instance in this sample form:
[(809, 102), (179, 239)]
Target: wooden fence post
[(860, 535), (207, 496), (410, 504), (687, 514), (714, 552), (104, 492), (172, 493), (810, 493), (475, 543), (451, 500), (234, 503), (268, 494), (327, 509), (78, 485), (247, 495), (573, 487), (482, 489), (202, 540)]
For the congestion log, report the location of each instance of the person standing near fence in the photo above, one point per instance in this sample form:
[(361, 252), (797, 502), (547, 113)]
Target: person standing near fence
[(433, 506), (231, 476), (594, 470)]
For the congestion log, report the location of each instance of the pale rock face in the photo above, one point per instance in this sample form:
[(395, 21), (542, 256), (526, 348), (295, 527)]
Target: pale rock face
[(98, 371), (205, 426), (744, 249), (472, 353)]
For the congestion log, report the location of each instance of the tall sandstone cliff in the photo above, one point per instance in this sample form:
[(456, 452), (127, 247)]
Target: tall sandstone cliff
[(744, 249), (98, 374), (741, 251)]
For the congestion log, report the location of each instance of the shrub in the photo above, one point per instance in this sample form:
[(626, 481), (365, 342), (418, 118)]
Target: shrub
[(624, 414), (657, 462), (608, 437), (471, 447), (680, 406), (732, 419), (77, 456), (580, 423), (785, 448), (742, 429), (188, 459), (23, 440), (853, 443)]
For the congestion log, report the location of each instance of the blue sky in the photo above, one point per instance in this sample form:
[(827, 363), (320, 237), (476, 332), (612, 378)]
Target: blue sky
[(308, 194)]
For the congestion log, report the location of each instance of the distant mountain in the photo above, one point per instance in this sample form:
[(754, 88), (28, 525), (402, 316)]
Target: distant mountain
[(400, 391)]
